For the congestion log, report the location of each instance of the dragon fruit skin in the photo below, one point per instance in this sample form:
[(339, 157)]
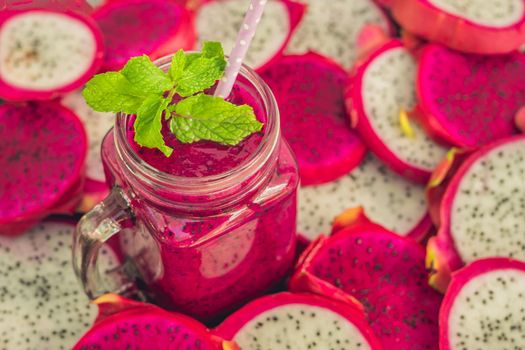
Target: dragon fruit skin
[(246, 326), (263, 52), (42, 150), (309, 90), (331, 28), (469, 100), (413, 156), (499, 304), (373, 265), (459, 31), (444, 254), (123, 323), (29, 90), (42, 305), (153, 27)]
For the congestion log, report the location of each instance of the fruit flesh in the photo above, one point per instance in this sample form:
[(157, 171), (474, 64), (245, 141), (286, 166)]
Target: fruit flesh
[(283, 334), (137, 27), (332, 27), (42, 304), (484, 307), (384, 272), (220, 21), (30, 69), (309, 91), (485, 203), (387, 198), (470, 100), (42, 150), (384, 89), (496, 14)]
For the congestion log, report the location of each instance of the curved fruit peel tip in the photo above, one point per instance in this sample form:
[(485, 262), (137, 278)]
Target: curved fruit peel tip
[(437, 265), (350, 218), (519, 119)]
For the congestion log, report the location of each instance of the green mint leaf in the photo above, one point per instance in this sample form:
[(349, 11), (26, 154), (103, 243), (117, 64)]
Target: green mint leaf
[(146, 76), (178, 63), (148, 125), (112, 92), (201, 70), (205, 117), (212, 49)]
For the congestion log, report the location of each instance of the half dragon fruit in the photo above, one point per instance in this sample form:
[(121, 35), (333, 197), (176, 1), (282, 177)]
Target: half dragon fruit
[(383, 271), (42, 150), (143, 27), (298, 321), (309, 90), (483, 27), (42, 305), (219, 20), (469, 100), (484, 307), (126, 324), (97, 125), (45, 53), (331, 28), (387, 199), (481, 210), (380, 96)]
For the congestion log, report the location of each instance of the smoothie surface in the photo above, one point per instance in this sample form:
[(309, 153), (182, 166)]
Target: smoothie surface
[(203, 158)]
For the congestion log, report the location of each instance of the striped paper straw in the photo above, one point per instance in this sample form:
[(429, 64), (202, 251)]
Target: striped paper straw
[(244, 39)]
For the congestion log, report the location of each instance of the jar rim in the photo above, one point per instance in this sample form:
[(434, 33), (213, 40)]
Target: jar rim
[(229, 178)]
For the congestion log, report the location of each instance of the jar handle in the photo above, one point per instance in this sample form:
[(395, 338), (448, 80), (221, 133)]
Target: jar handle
[(94, 229)]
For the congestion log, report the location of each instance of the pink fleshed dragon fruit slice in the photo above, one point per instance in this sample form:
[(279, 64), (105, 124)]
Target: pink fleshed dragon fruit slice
[(44, 53), (481, 211), (219, 20), (143, 27), (42, 151), (387, 198), (331, 28), (123, 324), (484, 307), (309, 92), (97, 125), (475, 26), (383, 271), (381, 94), (298, 321), (42, 304), (469, 100)]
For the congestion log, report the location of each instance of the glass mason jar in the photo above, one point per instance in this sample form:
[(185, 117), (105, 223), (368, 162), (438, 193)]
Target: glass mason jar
[(200, 245)]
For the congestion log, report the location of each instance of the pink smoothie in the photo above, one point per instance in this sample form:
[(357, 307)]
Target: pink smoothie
[(208, 264)]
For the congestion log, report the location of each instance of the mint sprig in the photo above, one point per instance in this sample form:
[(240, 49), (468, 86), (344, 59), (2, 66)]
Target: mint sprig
[(143, 89)]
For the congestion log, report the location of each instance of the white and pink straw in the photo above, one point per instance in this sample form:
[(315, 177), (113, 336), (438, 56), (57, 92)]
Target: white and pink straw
[(244, 39)]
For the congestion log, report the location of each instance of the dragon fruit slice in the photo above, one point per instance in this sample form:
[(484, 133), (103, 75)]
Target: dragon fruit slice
[(44, 53), (482, 210), (381, 93), (97, 125), (42, 151), (470, 100), (219, 20), (125, 324), (484, 307), (309, 91), (298, 321), (331, 28), (383, 271), (483, 27), (136, 27), (388, 199), (42, 305)]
